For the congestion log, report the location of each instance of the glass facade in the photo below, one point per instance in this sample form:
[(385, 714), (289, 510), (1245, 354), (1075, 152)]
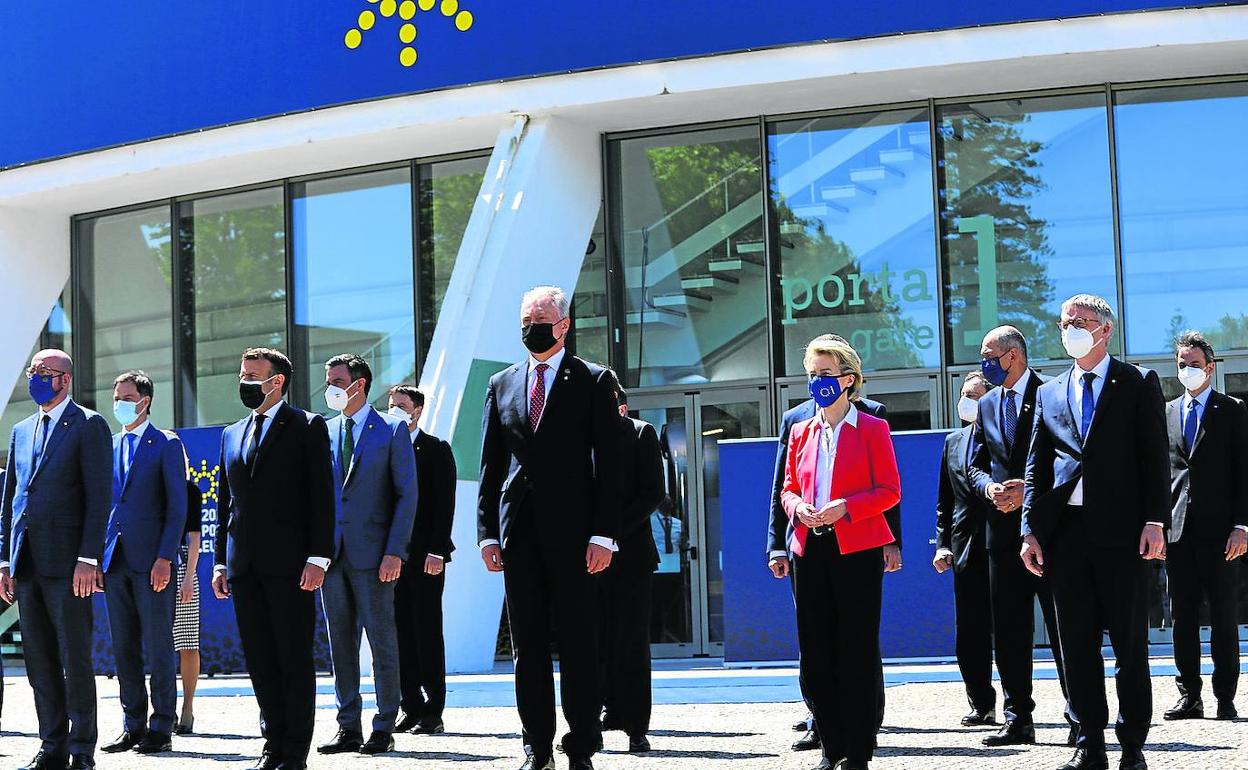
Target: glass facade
[(56, 334)]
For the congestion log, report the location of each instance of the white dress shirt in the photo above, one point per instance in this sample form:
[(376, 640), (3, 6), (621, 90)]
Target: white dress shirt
[(825, 463), (357, 422), (1074, 393), (1020, 392), (548, 379), (269, 414)]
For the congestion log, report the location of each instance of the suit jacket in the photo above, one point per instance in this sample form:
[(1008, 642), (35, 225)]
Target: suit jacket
[(375, 501), (566, 473), (995, 462), (641, 478), (435, 507), (63, 502), (1209, 486), (281, 511), (961, 513), (865, 475), (1123, 462), (779, 527), (149, 503)]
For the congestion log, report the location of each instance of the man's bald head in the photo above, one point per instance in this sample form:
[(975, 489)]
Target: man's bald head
[(53, 358), (1003, 339)]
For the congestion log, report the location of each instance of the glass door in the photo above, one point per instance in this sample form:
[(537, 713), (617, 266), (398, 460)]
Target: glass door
[(687, 615)]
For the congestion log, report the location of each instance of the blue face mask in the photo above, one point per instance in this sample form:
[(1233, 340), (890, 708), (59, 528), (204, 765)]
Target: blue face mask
[(126, 412), (993, 371), (41, 388), (825, 389)]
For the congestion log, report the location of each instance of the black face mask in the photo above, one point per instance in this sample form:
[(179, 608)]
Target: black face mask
[(251, 393), (538, 338)]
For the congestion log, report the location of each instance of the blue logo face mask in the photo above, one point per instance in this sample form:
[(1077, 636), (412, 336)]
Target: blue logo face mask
[(993, 371), (825, 389), (41, 389)]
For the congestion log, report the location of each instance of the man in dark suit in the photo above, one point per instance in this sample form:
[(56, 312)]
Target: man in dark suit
[(418, 596), (961, 518), (375, 499), (625, 588), (550, 511), (140, 544), (277, 508), (1208, 435), (55, 508), (779, 534), (1006, 416), (1095, 508)]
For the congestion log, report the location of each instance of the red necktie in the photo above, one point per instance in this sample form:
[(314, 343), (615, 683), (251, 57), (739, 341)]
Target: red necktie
[(537, 398)]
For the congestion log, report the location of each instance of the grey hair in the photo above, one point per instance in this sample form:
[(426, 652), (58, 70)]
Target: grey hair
[(1008, 338), (553, 293), (1098, 305)]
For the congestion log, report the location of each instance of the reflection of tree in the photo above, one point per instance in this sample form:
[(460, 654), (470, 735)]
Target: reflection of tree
[(445, 206), (988, 169), (1230, 333), (707, 180)]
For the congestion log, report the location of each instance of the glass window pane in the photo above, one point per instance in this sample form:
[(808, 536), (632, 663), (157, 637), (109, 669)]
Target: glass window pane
[(19, 406), (589, 301), (851, 197), (1183, 199), (1026, 216), (689, 233), (234, 255), (352, 266), (448, 190), (125, 283)]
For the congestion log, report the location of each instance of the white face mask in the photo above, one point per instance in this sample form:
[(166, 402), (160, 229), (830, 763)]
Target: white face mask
[(398, 414), (336, 398), (968, 409), (1078, 342), (1192, 377)]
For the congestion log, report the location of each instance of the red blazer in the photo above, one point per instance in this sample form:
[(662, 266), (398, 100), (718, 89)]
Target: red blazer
[(865, 475)]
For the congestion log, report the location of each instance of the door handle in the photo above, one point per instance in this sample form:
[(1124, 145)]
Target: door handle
[(692, 551)]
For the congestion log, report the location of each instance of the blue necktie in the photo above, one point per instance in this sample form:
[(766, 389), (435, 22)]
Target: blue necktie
[(1190, 425), (127, 455), (1089, 404), (1011, 418)]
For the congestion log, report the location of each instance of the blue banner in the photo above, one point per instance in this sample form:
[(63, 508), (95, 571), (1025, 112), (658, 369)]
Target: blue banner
[(86, 75), (917, 619)]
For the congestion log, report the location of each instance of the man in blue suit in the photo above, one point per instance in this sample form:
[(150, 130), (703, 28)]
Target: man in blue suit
[(375, 503), (55, 508), (140, 544)]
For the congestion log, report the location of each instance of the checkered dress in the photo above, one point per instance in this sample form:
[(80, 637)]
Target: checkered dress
[(186, 616)]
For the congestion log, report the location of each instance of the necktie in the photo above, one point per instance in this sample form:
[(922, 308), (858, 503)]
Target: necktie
[(127, 454), (1011, 418), (1089, 404), (41, 438), (257, 428), (537, 399), (346, 455), (1190, 425)]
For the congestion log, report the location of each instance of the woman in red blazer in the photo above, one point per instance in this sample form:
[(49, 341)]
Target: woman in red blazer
[(841, 476)]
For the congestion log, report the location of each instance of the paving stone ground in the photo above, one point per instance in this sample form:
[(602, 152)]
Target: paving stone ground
[(920, 732)]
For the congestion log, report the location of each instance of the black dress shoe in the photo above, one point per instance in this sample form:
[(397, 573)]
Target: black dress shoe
[(378, 743), (804, 725), (828, 764), (638, 744), (267, 761), (580, 763), (1226, 710), (534, 762), (293, 764), (1132, 759), (977, 718), (126, 741), (1186, 708), (82, 762), (45, 761), (429, 727), (406, 723), (155, 743), (1086, 759), (611, 725), (808, 742), (1012, 733), (345, 741), (185, 727)]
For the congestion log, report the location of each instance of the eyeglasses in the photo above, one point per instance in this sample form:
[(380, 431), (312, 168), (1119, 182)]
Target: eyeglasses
[(1079, 323), (43, 371)]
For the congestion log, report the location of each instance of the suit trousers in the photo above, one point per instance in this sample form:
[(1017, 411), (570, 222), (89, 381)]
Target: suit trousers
[(1094, 589), (1197, 571), (141, 622), (624, 591), (545, 582), (973, 639), (1014, 595), (838, 632), (56, 641), (356, 601), (422, 648), (276, 625)]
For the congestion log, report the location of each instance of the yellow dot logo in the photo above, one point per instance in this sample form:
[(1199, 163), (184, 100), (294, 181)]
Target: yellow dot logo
[(204, 473), (406, 11)]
